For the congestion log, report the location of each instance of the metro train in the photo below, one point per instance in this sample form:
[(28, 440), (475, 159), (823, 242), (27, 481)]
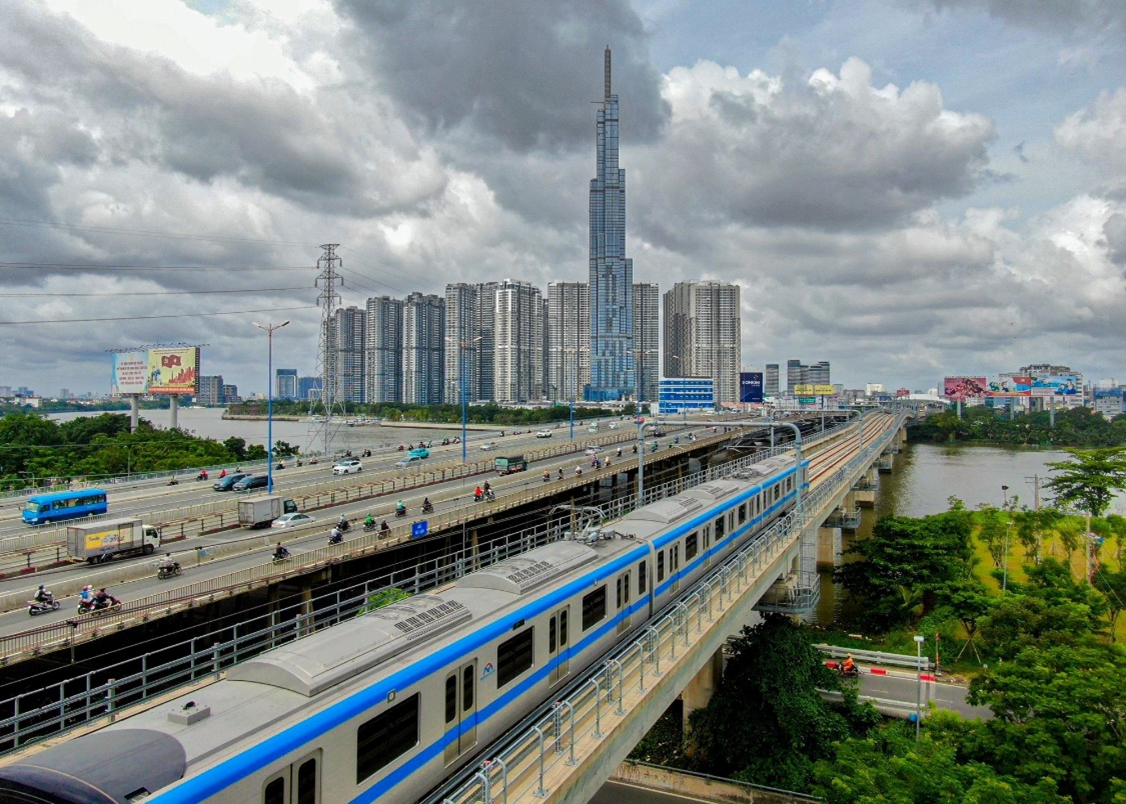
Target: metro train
[(387, 705)]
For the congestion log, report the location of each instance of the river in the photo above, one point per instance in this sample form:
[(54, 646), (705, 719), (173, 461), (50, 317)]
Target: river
[(209, 423), (925, 476)]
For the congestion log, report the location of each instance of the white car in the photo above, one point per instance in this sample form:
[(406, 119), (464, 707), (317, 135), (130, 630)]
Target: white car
[(613, 425), (489, 445), (410, 460), (594, 449), (292, 520), (348, 466), (543, 434)]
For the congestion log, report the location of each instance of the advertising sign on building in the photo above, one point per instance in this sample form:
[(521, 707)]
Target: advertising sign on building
[(130, 373), (1058, 385), (964, 387), (750, 386), (174, 370), (902, 392), (1011, 386), (814, 390)]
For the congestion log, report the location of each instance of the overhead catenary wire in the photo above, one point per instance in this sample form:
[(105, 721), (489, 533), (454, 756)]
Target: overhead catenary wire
[(147, 233), (147, 317), (93, 266), (146, 293)]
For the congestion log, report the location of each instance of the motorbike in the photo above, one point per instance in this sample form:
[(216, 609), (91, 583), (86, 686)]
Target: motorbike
[(41, 606), (852, 672), (427, 508), (201, 476), (546, 476), (96, 607), (169, 569), (400, 511), (369, 527), (282, 558), (335, 538), (343, 526)]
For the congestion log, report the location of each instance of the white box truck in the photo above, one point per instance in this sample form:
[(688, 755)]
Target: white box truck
[(258, 512), (97, 542)]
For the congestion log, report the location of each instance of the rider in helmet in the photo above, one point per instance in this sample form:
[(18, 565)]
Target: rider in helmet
[(43, 596), (369, 522), (399, 506)]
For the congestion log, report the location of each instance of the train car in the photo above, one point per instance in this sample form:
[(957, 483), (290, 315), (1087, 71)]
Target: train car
[(385, 706)]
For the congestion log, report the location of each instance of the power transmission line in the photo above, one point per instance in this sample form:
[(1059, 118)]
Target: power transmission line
[(148, 317), (143, 293)]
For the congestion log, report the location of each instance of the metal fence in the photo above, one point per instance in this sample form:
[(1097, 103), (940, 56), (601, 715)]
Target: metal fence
[(51, 709), (528, 764)]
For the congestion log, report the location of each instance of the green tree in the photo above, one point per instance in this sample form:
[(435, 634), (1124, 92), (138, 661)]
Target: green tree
[(905, 557), (1059, 713), (968, 600), (256, 452), (1089, 480), (1113, 587), (237, 447), (889, 766), (767, 723)]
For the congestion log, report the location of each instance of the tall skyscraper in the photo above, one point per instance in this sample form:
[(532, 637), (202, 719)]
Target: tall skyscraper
[(463, 344), (611, 273), (210, 390), (646, 339), (285, 383), (518, 342), (424, 353), (818, 373), (703, 335), (383, 358), (796, 374), (770, 380), (568, 327), (349, 330)]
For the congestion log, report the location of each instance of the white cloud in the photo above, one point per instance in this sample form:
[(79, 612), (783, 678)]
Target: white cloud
[(1098, 134)]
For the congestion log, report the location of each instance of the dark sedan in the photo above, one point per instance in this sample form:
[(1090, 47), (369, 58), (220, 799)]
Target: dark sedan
[(251, 482), (228, 481)]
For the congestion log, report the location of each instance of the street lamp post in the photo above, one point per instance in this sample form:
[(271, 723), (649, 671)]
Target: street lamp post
[(461, 344), (270, 328), (918, 683)]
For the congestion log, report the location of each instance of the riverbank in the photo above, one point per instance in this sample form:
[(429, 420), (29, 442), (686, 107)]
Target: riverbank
[(246, 417)]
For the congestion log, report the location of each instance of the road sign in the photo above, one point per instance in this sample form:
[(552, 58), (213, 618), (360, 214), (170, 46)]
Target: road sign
[(420, 529)]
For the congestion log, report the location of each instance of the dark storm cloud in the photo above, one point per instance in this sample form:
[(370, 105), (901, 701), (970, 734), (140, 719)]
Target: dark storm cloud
[(263, 135), (834, 153), (522, 73), (1099, 17), (1115, 232)]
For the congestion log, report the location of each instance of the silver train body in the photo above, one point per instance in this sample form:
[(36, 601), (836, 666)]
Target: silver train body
[(387, 705)]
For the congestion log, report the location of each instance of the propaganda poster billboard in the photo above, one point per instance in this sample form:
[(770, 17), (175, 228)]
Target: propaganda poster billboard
[(1056, 385), (130, 373), (964, 387), (1011, 386), (174, 370)]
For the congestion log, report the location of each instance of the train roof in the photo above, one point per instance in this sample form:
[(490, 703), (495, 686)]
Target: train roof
[(533, 569)]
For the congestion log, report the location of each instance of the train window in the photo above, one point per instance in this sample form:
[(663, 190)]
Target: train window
[(275, 792), (674, 558), (467, 675), (307, 782), (660, 566), (451, 698), (623, 591), (514, 656), (641, 568), (386, 737), (742, 513), (777, 492), (562, 627), (594, 607), (691, 546), (551, 637)]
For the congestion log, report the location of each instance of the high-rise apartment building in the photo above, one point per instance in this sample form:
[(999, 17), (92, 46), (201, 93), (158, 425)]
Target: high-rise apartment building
[(424, 353), (285, 383), (611, 273), (350, 333), (383, 355), (463, 342), (210, 390), (646, 340), (703, 335), (796, 374), (819, 373), (568, 327), (309, 388), (518, 342), (770, 380)]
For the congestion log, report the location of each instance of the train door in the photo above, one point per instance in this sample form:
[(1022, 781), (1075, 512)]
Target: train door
[(674, 569), (558, 644), (623, 601), (461, 710), (299, 783), (707, 534)]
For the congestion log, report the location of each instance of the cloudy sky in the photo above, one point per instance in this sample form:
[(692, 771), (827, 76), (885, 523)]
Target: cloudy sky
[(908, 188)]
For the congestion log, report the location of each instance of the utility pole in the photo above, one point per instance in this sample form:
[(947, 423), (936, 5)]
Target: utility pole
[(329, 301), (1035, 481)]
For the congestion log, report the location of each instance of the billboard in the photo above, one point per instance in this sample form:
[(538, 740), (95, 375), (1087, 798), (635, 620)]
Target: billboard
[(1057, 385), (814, 390), (750, 386), (902, 392), (964, 387), (174, 370), (1011, 386), (130, 373)]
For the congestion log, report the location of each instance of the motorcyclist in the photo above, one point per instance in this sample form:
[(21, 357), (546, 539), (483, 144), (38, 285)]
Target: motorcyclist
[(369, 523), (478, 494), (86, 596), (488, 488), (102, 599), (44, 596), (281, 552), (546, 475), (222, 474), (618, 453), (203, 474), (400, 508), (578, 471), (848, 666), (384, 527), (335, 536), (342, 525), (426, 506), (560, 472)]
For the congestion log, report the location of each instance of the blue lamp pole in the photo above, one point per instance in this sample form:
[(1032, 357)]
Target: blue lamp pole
[(270, 328), (461, 344)]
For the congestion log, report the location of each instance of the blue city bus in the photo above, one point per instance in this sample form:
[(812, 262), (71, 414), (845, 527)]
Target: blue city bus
[(43, 508)]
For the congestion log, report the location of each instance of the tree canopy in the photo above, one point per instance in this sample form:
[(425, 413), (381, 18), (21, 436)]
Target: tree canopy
[(1089, 479)]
